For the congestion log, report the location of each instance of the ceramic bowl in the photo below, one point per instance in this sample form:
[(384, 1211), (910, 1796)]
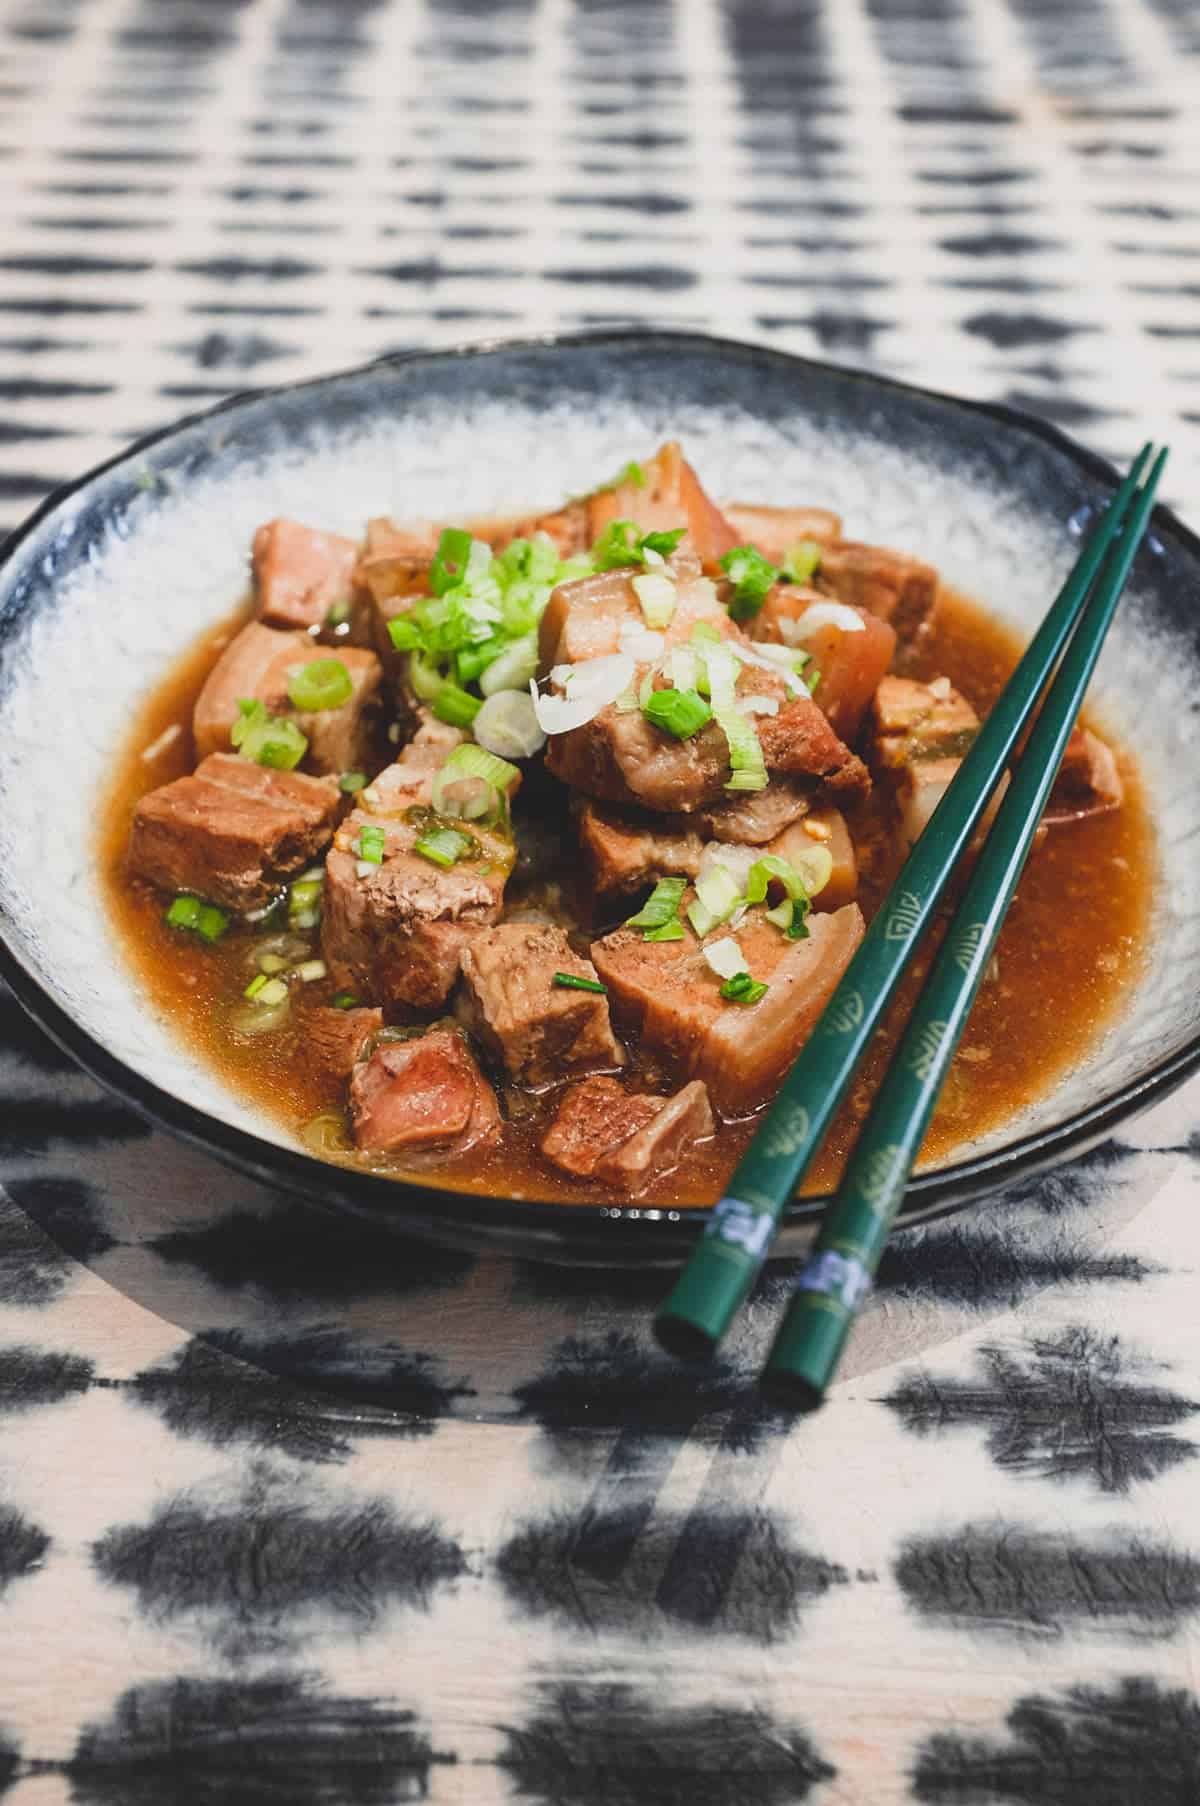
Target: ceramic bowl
[(114, 576)]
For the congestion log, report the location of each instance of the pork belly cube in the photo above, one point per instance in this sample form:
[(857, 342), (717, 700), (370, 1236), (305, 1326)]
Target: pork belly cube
[(300, 574), (1089, 781), (335, 1040), (627, 1139), (393, 932), (670, 495), (755, 817), (395, 560), (625, 854), (257, 665), (595, 1116), (848, 662), (774, 531), (899, 589), (912, 721), (666, 990), (540, 1031), (621, 757), (584, 617), (422, 1094), (233, 831), (659, 1147)]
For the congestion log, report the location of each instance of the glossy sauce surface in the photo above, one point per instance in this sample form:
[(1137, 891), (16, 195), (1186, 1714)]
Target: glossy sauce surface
[(1071, 946)]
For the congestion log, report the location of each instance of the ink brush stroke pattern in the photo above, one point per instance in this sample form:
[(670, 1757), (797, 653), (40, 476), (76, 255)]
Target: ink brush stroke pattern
[(294, 1511)]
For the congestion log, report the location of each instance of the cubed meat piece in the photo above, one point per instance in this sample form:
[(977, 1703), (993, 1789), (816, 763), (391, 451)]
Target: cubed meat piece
[(666, 1140), (754, 817), (625, 1138), (567, 527), (774, 531), (912, 721), (621, 757), (848, 661), (666, 990), (897, 588), (257, 665), (670, 495), (393, 932), (422, 1094), (335, 1040), (585, 618), (542, 1032), (301, 574), (921, 733), (233, 831), (625, 854), (410, 779), (1089, 781), (593, 1118), (395, 560)]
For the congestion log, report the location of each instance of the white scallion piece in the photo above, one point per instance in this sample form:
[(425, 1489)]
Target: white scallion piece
[(641, 642), (310, 970), (759, 705), (825, 614), (725, 957), (658, 596), (507, 725)]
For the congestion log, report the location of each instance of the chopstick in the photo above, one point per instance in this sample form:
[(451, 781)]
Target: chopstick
[(839, 1272), (738, 1236)]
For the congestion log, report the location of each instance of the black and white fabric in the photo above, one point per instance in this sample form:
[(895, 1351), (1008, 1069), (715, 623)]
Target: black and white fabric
[(295, 1512)]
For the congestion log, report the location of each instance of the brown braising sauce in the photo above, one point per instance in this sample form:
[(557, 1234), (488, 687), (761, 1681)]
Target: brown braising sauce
[(1071, 946)]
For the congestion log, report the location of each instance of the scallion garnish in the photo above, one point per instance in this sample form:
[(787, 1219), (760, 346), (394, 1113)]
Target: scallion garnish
[(351, 782), (266, 739), (678, 712), (344, 1000), (747, 767), (204, 919), (450, 560), (370, 844), (404, 634), (622, 543), (659, 914), (752, 576), (662, 543), (568, 981), (743, 989), (324, 683), (338, 615), (256, 985), (443, 846), (717, 896), (271, 992), (455, 706), (802, 561)]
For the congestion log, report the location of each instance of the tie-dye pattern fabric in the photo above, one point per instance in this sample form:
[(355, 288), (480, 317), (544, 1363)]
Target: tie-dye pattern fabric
[(294, 1512)]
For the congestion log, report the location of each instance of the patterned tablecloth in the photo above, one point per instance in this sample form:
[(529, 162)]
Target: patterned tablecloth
[(292, 1513)]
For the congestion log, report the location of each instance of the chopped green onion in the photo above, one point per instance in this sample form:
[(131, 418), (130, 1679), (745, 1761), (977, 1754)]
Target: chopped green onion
[(633, 473), (678, 712), (670, 931), (721, 666), (658, 596), (404, 633), (184, 912), (370, 844), (213, 922), (473, 660), (345, 1000), (338, 615), (752, 576), (309, 970), (747, 767), (271, 992), (704, 633), (255, 986), (454, 706), (473, 762), (661, 907), (662, 543), (443, 846), (268, 741), (717, 896), (450, 560), (803, 560), (568, 982), (513, 667), (507, 725), (425, 678), (725, 957), (743, 989), (270, 963), (351, 782), (617, 545)]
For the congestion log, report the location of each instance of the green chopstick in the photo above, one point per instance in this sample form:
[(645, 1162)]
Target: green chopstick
[(738, 1235), (839, 1272)]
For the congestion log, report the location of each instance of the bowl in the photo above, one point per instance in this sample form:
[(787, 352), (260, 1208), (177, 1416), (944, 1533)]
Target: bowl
[(116, 575)]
